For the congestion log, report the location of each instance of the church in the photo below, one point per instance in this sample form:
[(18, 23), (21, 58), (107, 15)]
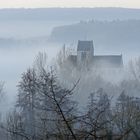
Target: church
[(86, 57)]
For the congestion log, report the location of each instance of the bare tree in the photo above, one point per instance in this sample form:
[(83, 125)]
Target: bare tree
[(26, 101), (97, 121), (59, 104), (127, 116), (14, 126)]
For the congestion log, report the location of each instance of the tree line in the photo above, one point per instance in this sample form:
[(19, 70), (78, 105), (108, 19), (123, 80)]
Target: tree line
[(46, 110)]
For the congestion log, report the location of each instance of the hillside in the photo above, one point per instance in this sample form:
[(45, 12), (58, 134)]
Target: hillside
[(115, 33), (69, 14)]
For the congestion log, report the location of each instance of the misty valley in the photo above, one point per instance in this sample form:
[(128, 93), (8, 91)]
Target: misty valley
[(70, 74)]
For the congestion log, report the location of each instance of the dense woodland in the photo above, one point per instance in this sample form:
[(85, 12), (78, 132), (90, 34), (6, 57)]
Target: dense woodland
[(46, 107)]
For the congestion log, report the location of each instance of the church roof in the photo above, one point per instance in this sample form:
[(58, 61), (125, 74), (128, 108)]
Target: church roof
[(103, 61), (85, 45), (108, 60)]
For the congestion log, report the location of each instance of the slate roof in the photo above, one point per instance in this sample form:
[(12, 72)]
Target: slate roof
[(85, 45), (108, 60)]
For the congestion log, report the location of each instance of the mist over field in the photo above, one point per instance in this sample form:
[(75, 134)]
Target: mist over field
[(25, 32), (43, 84)]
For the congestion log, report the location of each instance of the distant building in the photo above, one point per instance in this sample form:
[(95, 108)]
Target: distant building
[(86, 57)]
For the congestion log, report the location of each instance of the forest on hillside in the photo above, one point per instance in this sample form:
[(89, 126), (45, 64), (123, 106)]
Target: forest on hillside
[(116, 33)]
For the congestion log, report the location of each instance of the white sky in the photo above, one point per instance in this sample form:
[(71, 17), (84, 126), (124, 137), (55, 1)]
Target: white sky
[(69, 3)]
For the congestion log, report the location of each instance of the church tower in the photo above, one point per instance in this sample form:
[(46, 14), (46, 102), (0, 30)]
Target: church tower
[(85, 52)]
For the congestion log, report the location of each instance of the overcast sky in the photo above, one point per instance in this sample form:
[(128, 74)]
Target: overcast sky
[(69, 3)]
